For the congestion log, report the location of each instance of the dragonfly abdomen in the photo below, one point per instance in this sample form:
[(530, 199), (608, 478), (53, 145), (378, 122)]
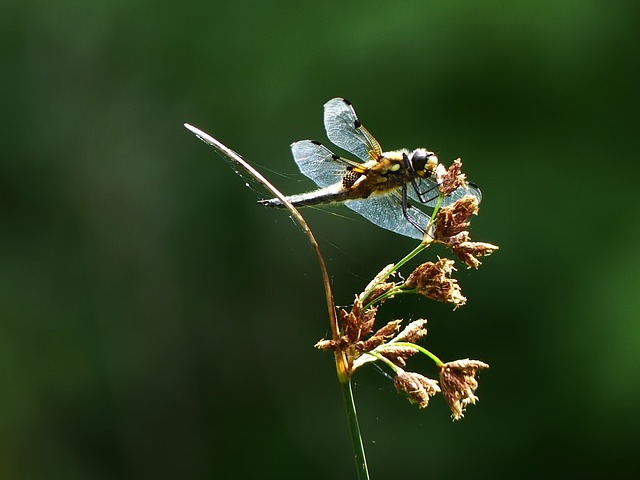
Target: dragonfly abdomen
[(331, 194)]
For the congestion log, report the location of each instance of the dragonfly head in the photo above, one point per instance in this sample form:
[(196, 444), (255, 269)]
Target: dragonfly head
[(424, 162)]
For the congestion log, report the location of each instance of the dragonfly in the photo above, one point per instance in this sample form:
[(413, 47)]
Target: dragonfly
[(385, 188)]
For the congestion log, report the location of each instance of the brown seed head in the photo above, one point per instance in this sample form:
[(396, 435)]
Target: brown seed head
[(419, 389), (458, 381), (326, 345), (453, 179), (454, 219), (412, 332), (433, 281), (397, 354), (379, 289), (381, 336), (469, 251), (451, 231), (357, 323)]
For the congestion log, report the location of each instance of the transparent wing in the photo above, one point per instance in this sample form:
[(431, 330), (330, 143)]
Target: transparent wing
[(461, 192), (318, 163), (386, 212), (345, 130), (429, 188)]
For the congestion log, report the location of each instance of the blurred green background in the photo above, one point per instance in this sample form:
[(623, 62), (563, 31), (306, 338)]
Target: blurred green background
[(157, 323)]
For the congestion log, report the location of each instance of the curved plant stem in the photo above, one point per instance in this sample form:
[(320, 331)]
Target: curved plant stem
[(341, 363), (423, 350), (238, 160)]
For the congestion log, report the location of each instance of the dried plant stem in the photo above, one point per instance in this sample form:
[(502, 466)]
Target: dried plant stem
[(341, 363)]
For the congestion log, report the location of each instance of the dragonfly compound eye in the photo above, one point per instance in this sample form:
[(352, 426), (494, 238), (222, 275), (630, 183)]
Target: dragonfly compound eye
[(423, 161)]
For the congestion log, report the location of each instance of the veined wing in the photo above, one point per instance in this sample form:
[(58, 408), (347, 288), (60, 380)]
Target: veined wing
[(429, 188), (345, 130), (385, 210), (319, 163)]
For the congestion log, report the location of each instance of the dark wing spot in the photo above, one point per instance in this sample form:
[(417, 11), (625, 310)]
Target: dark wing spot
[(357, 123), (315, 142), (346, 101), (335, 157)]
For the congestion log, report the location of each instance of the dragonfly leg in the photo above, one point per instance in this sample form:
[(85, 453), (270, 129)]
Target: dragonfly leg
[(405, 210), (421, 195)]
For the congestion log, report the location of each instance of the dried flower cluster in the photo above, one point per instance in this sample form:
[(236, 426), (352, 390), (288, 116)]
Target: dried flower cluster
[(418, 388), (360, 343), (453, 178), (458, 381), (433, 280), (358, 336), (451, 230)]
